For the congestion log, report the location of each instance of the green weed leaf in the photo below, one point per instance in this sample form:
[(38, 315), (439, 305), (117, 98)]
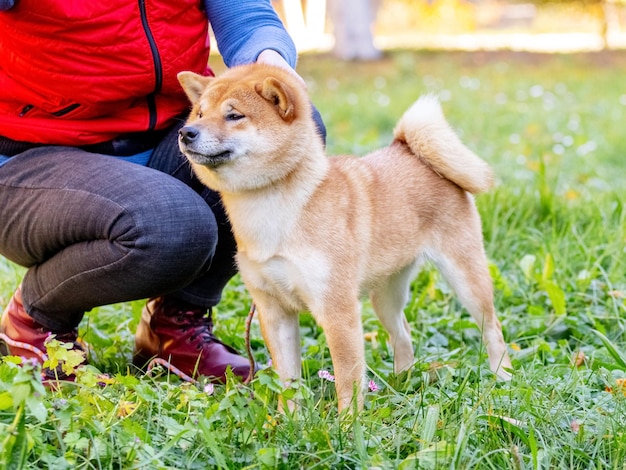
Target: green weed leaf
[(20, 393), (527, 264), (429, 426), (556, 296), (37, 408), (6, 400), (619, 357), (268, 456), (548, 268), (430, 457)]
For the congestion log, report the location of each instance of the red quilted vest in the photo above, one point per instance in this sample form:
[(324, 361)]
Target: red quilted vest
[(77, 72)]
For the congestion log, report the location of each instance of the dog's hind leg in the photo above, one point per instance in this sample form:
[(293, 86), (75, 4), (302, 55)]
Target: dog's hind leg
[(389, 301), (463, 264)]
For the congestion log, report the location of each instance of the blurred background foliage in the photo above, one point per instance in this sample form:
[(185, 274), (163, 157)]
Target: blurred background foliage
[(456, 16), (357, 29)]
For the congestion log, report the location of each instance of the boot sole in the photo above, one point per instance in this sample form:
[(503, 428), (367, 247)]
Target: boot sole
[(4, 348), (141, 361)]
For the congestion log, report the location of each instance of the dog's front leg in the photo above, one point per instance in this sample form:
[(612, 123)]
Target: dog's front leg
[(280, 330), (341, 322)]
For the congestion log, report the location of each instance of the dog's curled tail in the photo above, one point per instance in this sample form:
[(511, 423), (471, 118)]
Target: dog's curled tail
[(429, 136)]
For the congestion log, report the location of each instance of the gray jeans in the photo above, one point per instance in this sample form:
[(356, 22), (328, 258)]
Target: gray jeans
[(94, 230)]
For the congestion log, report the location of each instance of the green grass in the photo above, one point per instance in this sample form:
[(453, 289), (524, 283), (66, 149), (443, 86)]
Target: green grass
[(552, 128)]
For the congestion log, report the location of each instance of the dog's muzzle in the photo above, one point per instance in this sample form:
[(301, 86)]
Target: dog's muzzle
[(189, 138)]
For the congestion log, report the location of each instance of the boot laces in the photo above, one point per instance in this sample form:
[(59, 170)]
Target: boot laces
[(199, 321), (69, 337), (195, 318)]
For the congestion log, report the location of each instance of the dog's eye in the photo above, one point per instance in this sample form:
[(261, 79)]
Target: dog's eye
[(199, 115), (234, 116)]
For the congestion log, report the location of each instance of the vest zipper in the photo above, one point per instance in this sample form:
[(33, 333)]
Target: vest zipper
[(158, 69), (61, 112), (67, 109), (26, 109)]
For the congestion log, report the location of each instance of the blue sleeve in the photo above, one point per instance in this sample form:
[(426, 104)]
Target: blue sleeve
[(245, 28), (7, 4)]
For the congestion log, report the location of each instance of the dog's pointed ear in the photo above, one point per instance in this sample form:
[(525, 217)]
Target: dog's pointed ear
[(193, 84), (278, 95)]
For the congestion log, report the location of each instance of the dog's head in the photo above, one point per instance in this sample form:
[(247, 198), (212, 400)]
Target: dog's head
[(247, 127)]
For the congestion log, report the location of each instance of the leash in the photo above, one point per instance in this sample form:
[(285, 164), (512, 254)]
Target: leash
[(43, 357), (248, 347), (29, 347)]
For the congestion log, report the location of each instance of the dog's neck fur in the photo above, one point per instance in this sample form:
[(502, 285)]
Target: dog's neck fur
[(262, 218)]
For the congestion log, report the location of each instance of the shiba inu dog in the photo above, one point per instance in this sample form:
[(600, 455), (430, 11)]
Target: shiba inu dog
[(316, 233)]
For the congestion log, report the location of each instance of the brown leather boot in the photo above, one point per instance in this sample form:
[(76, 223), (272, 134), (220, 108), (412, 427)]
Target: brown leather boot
[(182, 334), (20, 335)]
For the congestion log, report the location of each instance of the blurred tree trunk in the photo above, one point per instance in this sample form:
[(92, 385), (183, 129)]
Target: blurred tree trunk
[(353, 21), (306, 26), (609, 20)]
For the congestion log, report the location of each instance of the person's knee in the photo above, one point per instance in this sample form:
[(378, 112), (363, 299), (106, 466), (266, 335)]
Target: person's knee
[(177, 240), (189, 233)]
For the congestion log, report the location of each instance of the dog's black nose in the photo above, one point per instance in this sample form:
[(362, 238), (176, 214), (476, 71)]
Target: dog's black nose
[(188, 134)]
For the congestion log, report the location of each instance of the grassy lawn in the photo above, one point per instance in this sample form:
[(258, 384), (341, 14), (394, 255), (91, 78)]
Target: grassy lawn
[(552, 126)]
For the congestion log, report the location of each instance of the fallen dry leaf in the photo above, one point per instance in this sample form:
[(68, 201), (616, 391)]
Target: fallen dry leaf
[(578, 359)]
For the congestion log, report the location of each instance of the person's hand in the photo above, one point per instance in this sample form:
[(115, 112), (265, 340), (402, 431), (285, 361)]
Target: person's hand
[(271, 57)]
